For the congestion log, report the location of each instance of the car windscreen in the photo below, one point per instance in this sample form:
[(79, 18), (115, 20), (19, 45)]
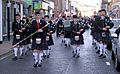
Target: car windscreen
[(116, 23)]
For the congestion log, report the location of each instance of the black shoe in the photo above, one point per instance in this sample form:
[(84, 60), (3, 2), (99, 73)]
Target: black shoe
[(78, 56), (93, 43), (25, 53), (48, 56), (69, 45), (22, 54), (65, 45), (104, 56), (63, 41), (20, 57), (40, 65), (73, 52), (49, 49), (96, 47), (14, 59), (35, 65), (98, 52), (74, 55), (101, 55), (44, 56)]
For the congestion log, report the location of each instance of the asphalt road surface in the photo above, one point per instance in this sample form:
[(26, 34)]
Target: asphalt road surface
[(62, 62)]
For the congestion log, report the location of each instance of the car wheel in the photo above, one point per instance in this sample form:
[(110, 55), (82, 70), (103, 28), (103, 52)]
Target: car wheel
[(116, 63)]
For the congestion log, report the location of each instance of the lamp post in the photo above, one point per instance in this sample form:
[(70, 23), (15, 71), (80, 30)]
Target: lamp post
[(15, 6), (8, 20), (1, 38)]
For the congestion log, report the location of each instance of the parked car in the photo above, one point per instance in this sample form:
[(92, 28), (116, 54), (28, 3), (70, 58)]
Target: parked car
[(115, 44)]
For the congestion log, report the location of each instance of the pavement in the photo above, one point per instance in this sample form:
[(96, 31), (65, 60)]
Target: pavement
[(5, 48), (61, 61)]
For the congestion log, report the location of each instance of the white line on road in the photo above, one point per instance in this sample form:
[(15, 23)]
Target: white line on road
[(6, 56), (66, 72)]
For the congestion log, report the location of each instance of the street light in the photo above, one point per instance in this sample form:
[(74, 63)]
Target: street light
[(8, 20), (15, 6), (1, 25)]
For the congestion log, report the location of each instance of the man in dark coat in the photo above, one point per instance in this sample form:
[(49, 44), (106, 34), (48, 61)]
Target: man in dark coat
[(103, 24), (17, 36), (26, 32), (77, 36), (60, 27), (49, 38), (38, 39)]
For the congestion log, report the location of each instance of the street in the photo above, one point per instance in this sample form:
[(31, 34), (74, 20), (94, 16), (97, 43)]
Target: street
[(62, 62)]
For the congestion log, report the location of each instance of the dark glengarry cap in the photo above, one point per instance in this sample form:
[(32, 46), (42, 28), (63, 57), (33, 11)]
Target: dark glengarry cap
[(37, 13), (46, 16), (17, 14), (75, 16), (102, 10)]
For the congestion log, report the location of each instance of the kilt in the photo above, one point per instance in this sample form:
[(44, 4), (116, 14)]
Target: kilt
[(45, 45), (93, 33), (99, 38), (50, 42), (37, 46), (17, 40), (27, 41), (67, 34), (79, 42)]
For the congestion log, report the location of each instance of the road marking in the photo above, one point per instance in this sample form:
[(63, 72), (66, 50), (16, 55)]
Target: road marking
[(6, 56), (67, 69), (108, 63)]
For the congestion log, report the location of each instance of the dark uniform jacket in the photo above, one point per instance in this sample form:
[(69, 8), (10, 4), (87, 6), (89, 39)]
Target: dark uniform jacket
[(42, 35), (102, 23), (16, 26), (60, 27), (51, 27), (76, 28)]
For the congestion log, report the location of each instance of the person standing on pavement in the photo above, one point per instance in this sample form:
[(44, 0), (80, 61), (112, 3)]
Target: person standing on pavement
[(17, 29), (38, 39), (103, 24), (77, 36)]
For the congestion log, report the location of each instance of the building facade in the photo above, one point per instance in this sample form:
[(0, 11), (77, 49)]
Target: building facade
[(7, 15)]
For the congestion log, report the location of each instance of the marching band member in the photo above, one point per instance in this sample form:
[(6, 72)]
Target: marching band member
[(49, 38), (17, 36), (60, 27), (29, 21), (38, 39), (67, 31), (77, 36), (26, 33), (103, 24)]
